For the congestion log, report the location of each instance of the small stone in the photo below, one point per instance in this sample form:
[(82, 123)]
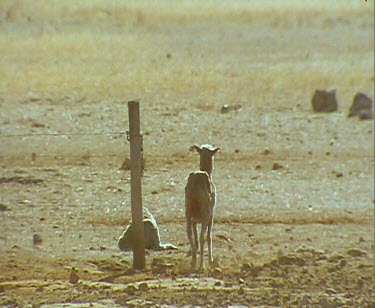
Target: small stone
[(330, 291), (143, 286), (4, 207), (130, 290), (37, 239), (291, 260), (276, 166), (246, 267), (266, 151), (360, 283), (73, 278), (34, 97), (355, 252), (224, 108), (342, 263), (216, 272)]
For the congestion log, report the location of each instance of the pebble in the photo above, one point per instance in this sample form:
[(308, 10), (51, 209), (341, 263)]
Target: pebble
[(4, 207), (355, 252), (73, 278), (37, 239), (277, 166)]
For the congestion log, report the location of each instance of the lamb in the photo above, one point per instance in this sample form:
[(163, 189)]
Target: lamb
[(200, 199), (152, 235)]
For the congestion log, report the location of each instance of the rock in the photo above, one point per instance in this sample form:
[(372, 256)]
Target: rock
[(291, 260), (266, 151), (324, 101), (37, 239), (246, 267), (361, 107), (4, 207), (217, 272), (138, 302), (143, 286), (355, 252), (223, 237), (276, 166), (339, 175), (73, 278), (226, 108), (34, 97), (130, 289)]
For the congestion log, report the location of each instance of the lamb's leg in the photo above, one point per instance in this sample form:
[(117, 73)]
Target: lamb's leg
[(195, 230), (192, 246), (209, 239), (204, 229), (189, 232)]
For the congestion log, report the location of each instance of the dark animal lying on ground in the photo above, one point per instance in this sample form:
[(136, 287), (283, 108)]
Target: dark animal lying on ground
[(361, 107), (324, 101)]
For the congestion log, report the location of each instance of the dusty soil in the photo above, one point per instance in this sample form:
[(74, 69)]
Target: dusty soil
[(294, 218)]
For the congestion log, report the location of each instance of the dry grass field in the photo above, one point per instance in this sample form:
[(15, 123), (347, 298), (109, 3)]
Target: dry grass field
[(294, 220)]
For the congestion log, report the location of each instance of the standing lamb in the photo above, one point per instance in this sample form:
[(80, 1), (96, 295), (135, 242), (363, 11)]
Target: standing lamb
[(200, 198)]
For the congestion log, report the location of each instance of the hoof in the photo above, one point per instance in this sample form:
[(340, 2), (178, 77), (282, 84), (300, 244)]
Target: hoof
[(193, 264)]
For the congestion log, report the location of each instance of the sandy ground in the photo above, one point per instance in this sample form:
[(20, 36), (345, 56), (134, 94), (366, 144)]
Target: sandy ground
[(294, 218)]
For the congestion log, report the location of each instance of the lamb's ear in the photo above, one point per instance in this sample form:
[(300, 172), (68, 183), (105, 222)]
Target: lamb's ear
[(198, 148), (214, 151)]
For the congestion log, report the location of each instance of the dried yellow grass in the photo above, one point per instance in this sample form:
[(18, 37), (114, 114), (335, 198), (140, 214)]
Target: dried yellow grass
[(107, 49)]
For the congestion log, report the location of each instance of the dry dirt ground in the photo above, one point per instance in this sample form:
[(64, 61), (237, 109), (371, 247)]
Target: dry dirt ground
[(294, 219)]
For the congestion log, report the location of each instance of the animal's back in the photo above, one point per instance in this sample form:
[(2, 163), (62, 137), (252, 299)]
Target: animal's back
[(198, 193)]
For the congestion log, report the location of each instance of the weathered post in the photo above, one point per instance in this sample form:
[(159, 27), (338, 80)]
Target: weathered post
[(136, 149)]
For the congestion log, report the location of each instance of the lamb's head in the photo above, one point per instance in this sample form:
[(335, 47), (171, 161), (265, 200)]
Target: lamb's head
[(206, 153)]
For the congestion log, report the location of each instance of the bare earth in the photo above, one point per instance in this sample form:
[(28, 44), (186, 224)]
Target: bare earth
[(294, 220)]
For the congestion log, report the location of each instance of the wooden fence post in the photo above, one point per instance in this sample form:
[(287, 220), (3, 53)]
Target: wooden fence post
[(136, 149)]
